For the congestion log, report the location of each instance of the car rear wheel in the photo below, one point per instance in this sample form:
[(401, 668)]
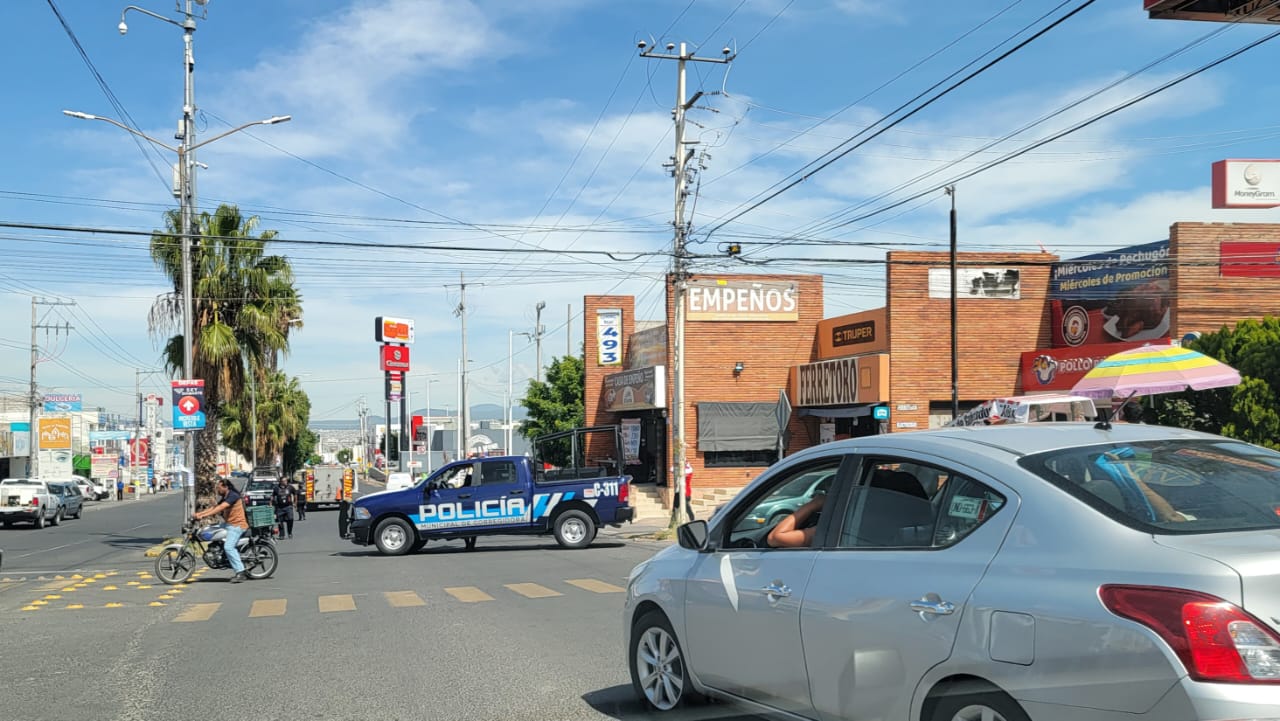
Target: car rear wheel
[(658, 673), (39, 522), (976, 704), (394, 537), (574, 529)]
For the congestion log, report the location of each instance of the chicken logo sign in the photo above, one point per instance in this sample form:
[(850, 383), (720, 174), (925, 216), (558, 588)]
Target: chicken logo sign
[(55, 433), (188, 405), (393, 330)]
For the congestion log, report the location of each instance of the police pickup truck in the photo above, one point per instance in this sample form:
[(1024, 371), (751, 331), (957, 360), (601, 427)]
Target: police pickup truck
[(499, 496)]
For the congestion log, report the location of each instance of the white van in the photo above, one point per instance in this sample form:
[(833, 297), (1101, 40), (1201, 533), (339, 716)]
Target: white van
[(398, 481), (1029, 409)]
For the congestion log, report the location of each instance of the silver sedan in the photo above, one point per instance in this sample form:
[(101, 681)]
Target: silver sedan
[(1039, 571)]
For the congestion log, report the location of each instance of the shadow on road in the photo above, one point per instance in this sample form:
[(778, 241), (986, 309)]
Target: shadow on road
[(619, 702), (481, 548)]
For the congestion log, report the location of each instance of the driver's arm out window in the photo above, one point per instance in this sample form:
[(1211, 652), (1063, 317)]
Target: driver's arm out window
[(783, 495)]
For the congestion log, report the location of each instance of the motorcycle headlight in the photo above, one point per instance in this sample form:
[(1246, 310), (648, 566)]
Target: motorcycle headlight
[(362, 513)]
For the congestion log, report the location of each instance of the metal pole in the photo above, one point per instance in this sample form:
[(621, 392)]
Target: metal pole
[(678, 370), (537, 336), (955, 367), (405, 400), (430, 435), (510, 399), (33, 433), (386, 443), (568, 330), (464, 407), (186, 169)]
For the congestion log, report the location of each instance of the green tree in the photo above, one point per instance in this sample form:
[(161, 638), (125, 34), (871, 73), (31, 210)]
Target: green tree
[(1248, 411), (243, 305), (344, 455), (558, 404), (300, 450), (283, 411)]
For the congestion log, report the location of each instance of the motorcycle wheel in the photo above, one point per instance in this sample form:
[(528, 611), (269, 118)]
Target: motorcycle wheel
[(264, 561), (173, 566)]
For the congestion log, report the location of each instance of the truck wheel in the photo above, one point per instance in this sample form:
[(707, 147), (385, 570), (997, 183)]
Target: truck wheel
[(57, 517), (394, 537), (574, 529), (39, 522)]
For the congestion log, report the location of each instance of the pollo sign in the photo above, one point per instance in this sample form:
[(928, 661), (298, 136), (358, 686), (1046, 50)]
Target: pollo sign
[(55, 433), (392, 330)]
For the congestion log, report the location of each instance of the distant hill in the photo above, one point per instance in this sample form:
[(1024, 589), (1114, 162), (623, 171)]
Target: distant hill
[(481, 412)]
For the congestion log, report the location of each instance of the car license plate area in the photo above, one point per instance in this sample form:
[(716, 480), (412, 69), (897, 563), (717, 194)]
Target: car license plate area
[(11, 501)]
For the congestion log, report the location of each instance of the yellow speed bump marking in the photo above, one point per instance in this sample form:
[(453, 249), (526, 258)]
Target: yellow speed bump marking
[(332, 604), (30, 608), (268, 607), (52, 597), (532, 590), (74, 606), (99, 575), (111, 588), (155, 603), (165, 597), (403, 599), (132, 583), (77, 576), (68, 589), (39, 603), (114, 604), (468, 594), (57, 578), (143, 588), (595, 586), (198, 612), (175, 590)]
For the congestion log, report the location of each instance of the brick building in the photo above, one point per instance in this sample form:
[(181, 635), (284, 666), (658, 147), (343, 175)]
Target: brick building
[(1028, 323)]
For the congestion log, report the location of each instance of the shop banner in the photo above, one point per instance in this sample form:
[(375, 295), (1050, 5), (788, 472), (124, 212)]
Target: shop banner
[(641, 389), (63, 403), (103, 465), (1241, 259), (1059, 369), (98, 436), (1004, 283), (647, 348), (55, 433), (21, 439), (609, 337), (631, 440), (1117, 296), (56, 463)]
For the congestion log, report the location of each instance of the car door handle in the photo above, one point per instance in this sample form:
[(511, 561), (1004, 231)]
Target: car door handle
[(938, 608), (777, 590), (463, 495), (516, 492)]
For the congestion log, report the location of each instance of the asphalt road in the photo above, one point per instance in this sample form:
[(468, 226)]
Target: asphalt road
[(517, 629)]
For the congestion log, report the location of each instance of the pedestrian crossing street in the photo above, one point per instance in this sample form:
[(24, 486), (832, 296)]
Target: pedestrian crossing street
[(348, 603)]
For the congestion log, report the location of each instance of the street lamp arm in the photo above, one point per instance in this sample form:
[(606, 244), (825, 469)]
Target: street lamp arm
[(118, 124), (269, 121), (145, 11)]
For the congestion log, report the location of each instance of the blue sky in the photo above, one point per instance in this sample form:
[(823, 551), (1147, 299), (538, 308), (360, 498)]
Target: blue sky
[(490, 124)]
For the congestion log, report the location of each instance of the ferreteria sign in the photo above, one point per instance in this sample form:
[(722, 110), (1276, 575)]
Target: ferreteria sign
[(742, 300), (828, 383)]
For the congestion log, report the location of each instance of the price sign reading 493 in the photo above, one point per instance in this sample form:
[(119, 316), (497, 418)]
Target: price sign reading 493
[(609, 337)]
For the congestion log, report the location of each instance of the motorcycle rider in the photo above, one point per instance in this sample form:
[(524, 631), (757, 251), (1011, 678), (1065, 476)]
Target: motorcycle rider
[(233, 520)]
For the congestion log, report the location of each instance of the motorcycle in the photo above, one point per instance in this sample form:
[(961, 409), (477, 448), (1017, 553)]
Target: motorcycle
[(177, 561)]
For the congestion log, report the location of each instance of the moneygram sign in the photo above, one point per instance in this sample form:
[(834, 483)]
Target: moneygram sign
[(1246, 184)]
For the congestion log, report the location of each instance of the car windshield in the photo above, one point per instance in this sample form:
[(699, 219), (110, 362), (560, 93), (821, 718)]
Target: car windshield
[(263, 485), (1171, 486)]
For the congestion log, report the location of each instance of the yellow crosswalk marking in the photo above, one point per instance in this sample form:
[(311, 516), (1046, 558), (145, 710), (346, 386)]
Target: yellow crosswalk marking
[(532, 590), (198, 612), (403, 599), (268, 607), (331, 604), (594, 585), (468, 594)]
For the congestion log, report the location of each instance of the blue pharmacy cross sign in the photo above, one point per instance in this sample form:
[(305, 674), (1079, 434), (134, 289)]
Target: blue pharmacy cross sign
[(188, 405), (880, 413)]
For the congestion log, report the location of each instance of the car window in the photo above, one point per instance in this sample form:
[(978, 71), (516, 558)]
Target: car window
[(751, 523), (905, 504), (497, 473), (1171, 487)]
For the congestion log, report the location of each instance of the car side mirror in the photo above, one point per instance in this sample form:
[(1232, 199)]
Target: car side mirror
[(693, 535)]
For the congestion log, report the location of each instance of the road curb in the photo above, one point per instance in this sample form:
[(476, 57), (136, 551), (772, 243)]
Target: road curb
[(156, 549)]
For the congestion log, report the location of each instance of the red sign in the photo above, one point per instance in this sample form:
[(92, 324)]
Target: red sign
[(416, 425), (1240, 259), (1059, 369), (395, 358), (139, 451)]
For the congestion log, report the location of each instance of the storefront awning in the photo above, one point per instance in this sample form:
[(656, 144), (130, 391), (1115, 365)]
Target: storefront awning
[(737, 426), (837, 412)]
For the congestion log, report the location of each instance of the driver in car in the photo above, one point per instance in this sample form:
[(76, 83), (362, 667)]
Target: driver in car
[(797, 530)]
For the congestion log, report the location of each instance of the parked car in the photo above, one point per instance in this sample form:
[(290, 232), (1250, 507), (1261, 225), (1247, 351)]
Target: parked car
[(92, 490), (258, 492), (1024, 572), (398, 481), (28, 500), (69, 497)]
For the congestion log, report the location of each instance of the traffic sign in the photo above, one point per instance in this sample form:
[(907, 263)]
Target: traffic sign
[(188, 404), (395, 357)]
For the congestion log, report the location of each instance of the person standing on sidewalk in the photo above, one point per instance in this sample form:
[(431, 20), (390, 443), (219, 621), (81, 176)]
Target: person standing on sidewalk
[(119, 489), (232, 510), (302, 503), (283, 499)]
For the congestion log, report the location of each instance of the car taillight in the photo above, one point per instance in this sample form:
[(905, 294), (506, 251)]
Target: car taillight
[(1216, 640), (35, 502), (624, 492)]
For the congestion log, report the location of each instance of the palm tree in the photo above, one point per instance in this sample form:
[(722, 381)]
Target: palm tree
[(242, 306), (283, 411)]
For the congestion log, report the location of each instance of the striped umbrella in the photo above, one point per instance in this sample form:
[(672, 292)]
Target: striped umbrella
[(1155, 369)]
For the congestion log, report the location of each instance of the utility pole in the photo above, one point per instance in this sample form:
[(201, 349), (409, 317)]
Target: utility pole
[(510, 390), (33, 460), (955, 366), (568, 330), (680, 276), (464, 411)]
